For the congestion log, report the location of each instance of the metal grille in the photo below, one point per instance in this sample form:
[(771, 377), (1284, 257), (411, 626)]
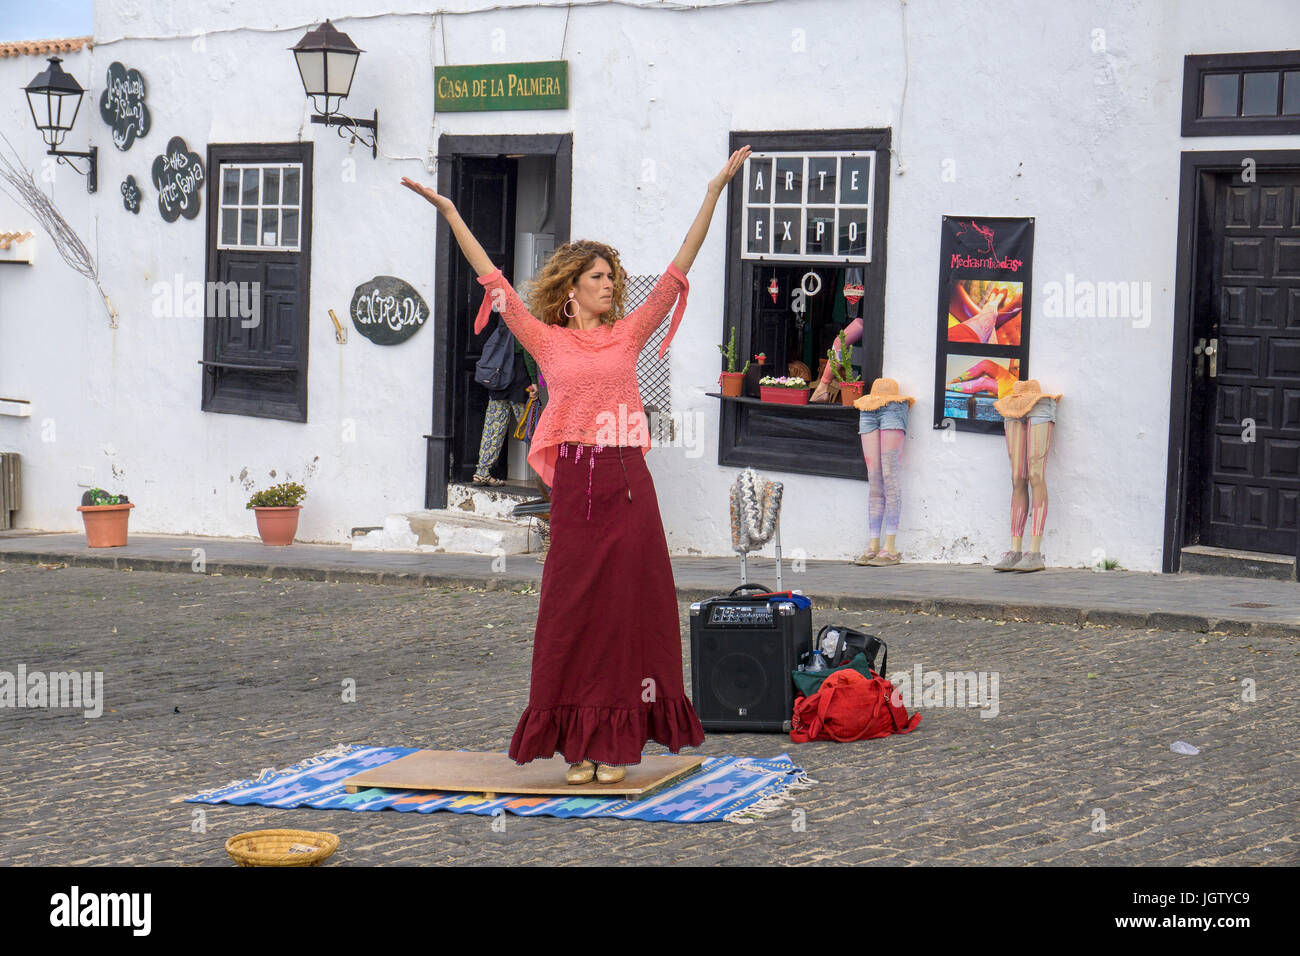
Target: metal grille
[(11, 495), (651, 371)]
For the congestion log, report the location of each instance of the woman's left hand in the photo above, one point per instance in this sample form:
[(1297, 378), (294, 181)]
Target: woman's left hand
[(733, 166)]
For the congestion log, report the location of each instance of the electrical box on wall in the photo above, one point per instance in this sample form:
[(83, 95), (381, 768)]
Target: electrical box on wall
[(532, 249)]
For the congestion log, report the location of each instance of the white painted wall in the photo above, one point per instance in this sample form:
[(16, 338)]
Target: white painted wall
[(1036, 121)]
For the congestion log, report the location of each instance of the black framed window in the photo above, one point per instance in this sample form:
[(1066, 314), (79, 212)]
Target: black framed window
[(1239, 94), (258, 275), (807, 224)]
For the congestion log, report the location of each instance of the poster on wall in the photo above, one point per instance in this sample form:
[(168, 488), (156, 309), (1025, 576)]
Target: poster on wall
[(985, 276), (122, 107), (178, 176), (388, 310)]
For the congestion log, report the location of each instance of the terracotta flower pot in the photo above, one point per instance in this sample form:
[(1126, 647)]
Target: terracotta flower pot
[(105, 524), (731, 383), (850, 392), (784, 396), (277, 526)]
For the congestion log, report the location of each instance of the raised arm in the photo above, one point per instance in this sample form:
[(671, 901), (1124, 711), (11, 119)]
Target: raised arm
[(535, 336), (672, 284), (700, 227), (468, 244)]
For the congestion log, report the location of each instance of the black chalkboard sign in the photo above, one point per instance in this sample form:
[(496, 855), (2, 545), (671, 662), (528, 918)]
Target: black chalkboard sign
[(178, 177), (131, 195), (387, 310), (122, 105)]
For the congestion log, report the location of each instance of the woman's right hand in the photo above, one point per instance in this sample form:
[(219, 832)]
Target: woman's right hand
[(441, 203)]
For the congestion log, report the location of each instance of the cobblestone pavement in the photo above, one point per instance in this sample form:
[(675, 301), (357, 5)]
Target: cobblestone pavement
[(209, 678)]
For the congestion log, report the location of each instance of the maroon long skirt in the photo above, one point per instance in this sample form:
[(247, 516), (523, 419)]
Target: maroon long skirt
[(607, 655)]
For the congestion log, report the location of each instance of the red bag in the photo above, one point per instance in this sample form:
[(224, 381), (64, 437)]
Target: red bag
[(848, 707)]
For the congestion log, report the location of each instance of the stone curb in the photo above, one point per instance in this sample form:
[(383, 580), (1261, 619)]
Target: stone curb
[(943, 607)]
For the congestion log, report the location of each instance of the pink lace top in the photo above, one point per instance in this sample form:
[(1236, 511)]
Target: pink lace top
[(593, 395)]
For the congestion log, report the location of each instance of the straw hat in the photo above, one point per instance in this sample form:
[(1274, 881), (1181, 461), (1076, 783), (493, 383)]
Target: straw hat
[(1023, 397), (883, 391)]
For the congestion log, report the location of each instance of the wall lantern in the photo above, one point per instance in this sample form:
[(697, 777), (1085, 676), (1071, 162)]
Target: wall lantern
[(327, 59), (54, 98)]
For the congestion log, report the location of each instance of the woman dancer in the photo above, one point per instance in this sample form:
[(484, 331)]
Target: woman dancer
[(607, 653)]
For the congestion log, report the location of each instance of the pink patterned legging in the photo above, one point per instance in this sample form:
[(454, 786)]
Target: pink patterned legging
[(881, 449), (1027, 444)]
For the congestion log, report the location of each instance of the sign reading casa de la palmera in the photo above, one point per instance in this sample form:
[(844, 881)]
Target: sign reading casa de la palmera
[(543, 85)]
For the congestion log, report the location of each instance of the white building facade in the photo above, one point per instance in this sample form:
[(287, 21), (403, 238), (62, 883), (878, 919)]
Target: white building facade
[(1073, 117)]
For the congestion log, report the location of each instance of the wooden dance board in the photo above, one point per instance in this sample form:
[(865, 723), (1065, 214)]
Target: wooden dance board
[(496, 774)]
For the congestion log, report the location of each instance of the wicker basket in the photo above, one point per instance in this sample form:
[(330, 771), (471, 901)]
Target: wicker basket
[(281, 847)]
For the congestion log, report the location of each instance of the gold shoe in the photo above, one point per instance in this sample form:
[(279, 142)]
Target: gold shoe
[(581, 772), (610, 774)]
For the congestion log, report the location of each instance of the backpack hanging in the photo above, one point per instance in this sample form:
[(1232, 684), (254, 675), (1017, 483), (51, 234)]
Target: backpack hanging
[(495, 369)]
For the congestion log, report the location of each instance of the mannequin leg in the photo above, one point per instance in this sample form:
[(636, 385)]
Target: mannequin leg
[(1018, 451), (891, 450), (1038, 443), (875, 485)]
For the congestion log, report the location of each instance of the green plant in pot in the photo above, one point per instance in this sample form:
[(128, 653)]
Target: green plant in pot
[(732, 379), (105, 517), (277, 509), (846, 376)]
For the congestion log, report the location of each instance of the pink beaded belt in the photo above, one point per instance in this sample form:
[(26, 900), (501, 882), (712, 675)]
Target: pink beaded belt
[(592, 452)]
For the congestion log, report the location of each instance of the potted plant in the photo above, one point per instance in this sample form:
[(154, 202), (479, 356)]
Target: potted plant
[(731, 379), (105, 517), (784, 390), (277, 510), (846, 377)]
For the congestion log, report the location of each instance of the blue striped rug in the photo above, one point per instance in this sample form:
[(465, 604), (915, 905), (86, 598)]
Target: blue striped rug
[(736, 789)]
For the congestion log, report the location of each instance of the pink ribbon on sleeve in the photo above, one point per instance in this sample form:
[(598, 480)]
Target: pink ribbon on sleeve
[(681, 307), (484, 309)]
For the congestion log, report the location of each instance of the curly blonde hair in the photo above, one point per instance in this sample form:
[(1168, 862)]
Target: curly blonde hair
[(548, 291)]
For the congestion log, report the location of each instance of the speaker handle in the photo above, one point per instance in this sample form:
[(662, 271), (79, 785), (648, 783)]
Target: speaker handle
[(748, 587)]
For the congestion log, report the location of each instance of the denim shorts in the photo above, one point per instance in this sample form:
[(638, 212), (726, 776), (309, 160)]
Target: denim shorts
[(1044, 410), (889, 415)]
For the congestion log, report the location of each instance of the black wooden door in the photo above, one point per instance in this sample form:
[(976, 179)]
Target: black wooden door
[(1246, 364), (259, 260), (485, 197)]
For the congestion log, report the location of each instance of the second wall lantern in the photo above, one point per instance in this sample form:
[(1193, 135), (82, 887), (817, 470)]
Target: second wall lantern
[(327, 58)]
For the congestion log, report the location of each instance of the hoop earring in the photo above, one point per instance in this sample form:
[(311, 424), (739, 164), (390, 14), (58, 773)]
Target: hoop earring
[(571, 302)]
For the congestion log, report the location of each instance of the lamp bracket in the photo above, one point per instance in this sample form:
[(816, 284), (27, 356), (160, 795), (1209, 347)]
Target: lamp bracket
[(347, 126), (92, 170)]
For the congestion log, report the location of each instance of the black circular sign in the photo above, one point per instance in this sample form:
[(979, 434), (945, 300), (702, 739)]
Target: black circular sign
[(388, 310), (178, 177), (131, 195), (122, 105)]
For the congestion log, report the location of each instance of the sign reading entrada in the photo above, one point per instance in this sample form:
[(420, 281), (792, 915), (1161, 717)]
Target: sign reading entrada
[(543, 85)]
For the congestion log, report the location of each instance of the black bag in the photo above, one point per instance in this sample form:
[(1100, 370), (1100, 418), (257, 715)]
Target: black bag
[(840, 644), (495, 369)]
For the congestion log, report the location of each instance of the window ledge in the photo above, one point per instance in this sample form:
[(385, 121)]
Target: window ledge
[(822, 408)]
